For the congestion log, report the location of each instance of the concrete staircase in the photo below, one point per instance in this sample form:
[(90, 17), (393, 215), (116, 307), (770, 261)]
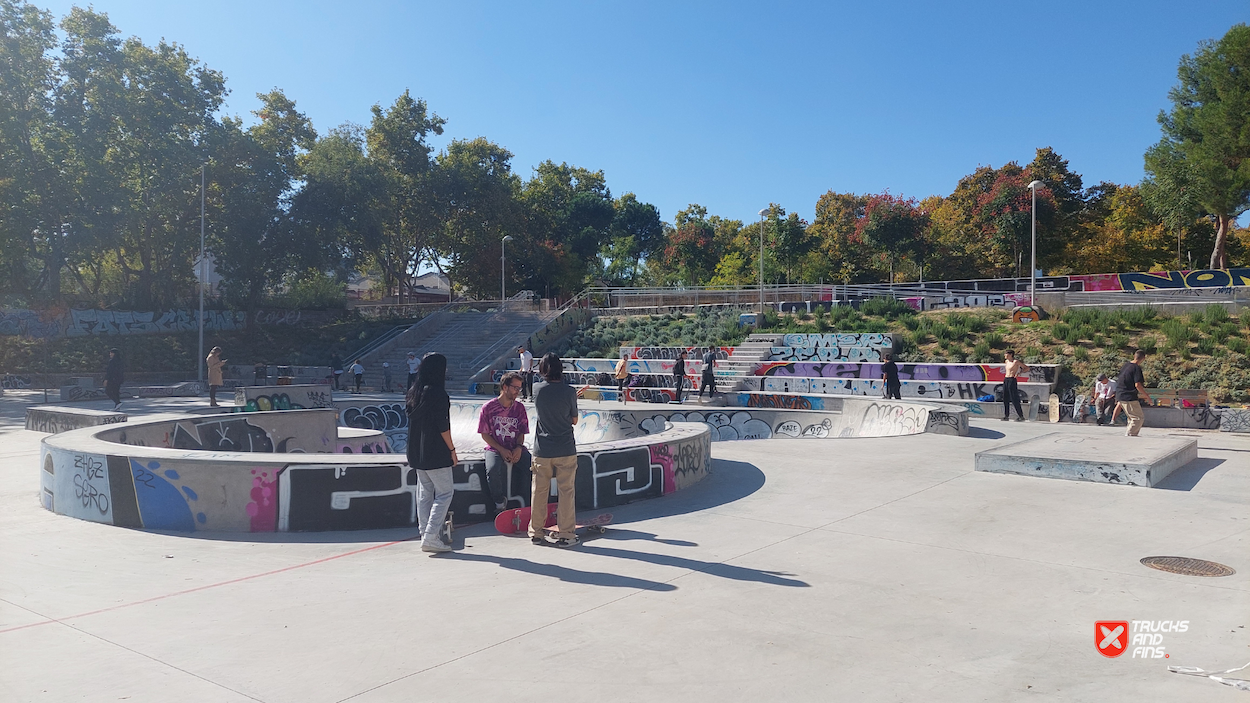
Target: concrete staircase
[(756, 348), (470, 340)]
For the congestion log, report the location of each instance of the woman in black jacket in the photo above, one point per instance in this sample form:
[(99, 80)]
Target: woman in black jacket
[(430, 449)]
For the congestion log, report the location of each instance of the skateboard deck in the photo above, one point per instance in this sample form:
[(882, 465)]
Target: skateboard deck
[(518, 519), (598, 523), (445, 533), (1053, 411), (1080, 409), (1034, 401)]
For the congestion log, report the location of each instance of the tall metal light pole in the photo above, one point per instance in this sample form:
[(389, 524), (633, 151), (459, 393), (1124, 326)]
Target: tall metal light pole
[(199, 365), (762, 214), (1033, 249), (503, 262)]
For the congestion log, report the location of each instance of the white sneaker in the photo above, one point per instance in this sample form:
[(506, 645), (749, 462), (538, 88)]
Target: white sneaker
[(436, 545)]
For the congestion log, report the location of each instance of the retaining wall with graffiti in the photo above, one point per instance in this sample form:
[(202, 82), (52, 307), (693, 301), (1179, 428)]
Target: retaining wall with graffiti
[(972, 373), (85, 323)]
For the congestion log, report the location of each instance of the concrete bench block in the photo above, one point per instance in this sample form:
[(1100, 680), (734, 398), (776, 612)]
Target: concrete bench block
[(1127, 461), (54, 418)]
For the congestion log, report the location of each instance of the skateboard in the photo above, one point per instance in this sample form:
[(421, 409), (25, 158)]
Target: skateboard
[(1034, 401), (598, 523), (518, 519), (1079, 409), (445, 533), (1053, 410)]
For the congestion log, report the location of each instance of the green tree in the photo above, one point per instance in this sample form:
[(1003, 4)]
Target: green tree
[(1206, 137), (478, 196)]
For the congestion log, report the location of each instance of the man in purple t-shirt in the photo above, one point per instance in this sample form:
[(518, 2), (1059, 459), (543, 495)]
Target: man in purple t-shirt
[(503, 425)]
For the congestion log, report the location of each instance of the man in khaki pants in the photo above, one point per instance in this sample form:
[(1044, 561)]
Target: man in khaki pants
[(1130, 385), (555, 453)]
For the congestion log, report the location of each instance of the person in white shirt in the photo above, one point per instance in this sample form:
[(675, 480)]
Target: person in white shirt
[(413, 363), (527, 372), (386, 377), (358, 370), (1104, 397)]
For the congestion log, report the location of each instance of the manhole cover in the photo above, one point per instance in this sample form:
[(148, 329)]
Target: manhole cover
[(1188, 566)]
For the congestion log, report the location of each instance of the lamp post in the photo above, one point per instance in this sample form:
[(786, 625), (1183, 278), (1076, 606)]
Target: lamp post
[(1033, 249), (763, 213), (199, 364), (503, 262)]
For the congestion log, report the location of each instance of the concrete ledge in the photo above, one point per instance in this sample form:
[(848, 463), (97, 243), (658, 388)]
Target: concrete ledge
[(1127, 461), (1235, 420), (55, 418), (265, 398)]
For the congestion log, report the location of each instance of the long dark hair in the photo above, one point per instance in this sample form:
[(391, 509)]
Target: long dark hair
[(551, 368), (431, 376)]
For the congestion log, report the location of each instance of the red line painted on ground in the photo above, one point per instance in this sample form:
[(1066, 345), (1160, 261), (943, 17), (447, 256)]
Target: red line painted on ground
[(208, 586)]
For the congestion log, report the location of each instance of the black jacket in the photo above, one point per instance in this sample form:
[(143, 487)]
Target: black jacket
[(426, 423), (113, 374)]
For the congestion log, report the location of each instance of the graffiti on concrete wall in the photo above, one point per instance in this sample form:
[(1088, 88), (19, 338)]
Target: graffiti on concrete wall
[(390, 418), (348, 497), (970, 300), (670, 353), (13, 381), (824, 354), (871, 340), (906, 372), (1235, 420), (96, 323), (54, 420), (222, 435), (1167, 280)]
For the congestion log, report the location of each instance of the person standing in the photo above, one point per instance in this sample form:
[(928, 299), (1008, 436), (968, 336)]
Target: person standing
[(1104, 397), (527, 372), (1012, 367), (679, 374), (708, 377), (386, 377), (358, 371), (260, 373), (889, 374), (1131, 384), (214, 362), (555, 454), (336, 368), (412, 369), (113, 374), (621, 374), (430, 449), (503, 424)]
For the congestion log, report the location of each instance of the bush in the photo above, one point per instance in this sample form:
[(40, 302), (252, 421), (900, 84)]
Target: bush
[(1119, 341), (1176, 331), (1238, 345), (995, 340), (889, 308), (1148, 344), (1206, 345), (981, 351), (1081, 353)]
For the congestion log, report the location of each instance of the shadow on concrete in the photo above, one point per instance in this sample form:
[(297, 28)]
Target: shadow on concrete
[(1188, 476), (721, 569), (983, 433), (563, 573)]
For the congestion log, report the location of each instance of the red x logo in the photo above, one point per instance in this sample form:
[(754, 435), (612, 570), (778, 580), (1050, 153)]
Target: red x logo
[(1111, 637)]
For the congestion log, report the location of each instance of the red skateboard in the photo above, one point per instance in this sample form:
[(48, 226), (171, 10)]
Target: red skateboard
[(518, 519)]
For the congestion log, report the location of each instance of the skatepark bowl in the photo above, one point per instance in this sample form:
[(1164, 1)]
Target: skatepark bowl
[(344, 468)]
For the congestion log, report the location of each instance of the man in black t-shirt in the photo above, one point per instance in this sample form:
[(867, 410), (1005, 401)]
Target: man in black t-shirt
[(708, 378), (889, 373), (679, 374), (555, 454), (1130, 386)]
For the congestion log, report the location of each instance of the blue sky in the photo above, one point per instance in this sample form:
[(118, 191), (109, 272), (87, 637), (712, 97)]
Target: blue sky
[(729, 105)]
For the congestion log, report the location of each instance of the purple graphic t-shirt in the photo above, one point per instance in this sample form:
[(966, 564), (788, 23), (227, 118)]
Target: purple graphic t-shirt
[(505, 425)]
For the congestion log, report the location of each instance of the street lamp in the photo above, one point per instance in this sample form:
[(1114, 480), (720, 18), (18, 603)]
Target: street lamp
[(503, 262), (203, 279), (763, 213), (1033, 249)]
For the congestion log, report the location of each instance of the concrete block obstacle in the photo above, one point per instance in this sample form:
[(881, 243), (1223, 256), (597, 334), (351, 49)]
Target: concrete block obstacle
[(1115, 459), (85, 389), (1235, 420), (56, 418), (295, 397)]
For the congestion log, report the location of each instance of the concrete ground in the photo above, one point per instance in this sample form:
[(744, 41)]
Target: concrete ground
[(808, 570)]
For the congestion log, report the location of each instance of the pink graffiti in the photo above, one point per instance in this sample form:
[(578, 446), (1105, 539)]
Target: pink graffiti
[(264, 506), (661, 456)]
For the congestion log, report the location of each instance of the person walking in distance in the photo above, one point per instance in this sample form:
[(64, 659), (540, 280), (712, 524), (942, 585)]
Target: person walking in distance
[(214, 362), (358, 372), (1104, 398), (1132, 386), (260, 373), (527, 372), (503, 424), (113, 374), (1012, 368), (555, 453), (707, 379), (679, 374), (386, 377), (621, 374), (430, 449), (336, 368), (412, 369)]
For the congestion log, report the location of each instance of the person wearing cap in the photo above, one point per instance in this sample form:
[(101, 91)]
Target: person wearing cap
[(113, 378), (412, 369), (214, 362), (358, 373), (1104, 398), (386, 377)]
